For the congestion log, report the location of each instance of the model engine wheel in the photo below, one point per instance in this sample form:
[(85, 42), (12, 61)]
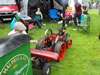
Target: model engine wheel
[(40, 44), (69, 43), (46, 69), (60, 48)]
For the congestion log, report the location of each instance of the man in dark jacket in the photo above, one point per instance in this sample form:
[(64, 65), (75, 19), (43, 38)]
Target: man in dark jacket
[(78, 12)]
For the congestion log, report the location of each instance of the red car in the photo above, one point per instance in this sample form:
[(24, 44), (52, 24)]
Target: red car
[(7, 9)]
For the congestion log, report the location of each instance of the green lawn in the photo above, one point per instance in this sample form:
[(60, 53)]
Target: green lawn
[(84, 56)]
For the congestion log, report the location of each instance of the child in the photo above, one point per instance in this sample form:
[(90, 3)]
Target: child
[(68, 17)]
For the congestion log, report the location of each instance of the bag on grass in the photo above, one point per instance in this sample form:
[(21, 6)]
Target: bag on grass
[(12, 23)]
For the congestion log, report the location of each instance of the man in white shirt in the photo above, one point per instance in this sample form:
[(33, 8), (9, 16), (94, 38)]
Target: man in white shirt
[(20, 29)]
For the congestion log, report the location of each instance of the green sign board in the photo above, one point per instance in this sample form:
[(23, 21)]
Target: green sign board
[(17, 62)]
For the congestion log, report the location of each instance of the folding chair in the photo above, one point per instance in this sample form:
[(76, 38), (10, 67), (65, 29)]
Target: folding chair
[(12, 23), (17, 19), (85, 26), (83, 18), (54, 15), (14, 20)]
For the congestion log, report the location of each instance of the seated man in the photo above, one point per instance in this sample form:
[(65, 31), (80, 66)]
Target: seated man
[(29, 19), (20, 28)]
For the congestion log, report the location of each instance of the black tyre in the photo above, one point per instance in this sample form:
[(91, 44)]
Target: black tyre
[(60, 48), (40, 44), (46, 69)]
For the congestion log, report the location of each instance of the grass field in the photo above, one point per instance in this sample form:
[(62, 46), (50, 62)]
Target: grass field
[(84, 56)]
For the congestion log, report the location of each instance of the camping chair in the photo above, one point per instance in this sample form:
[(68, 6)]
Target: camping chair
[(54, 15), (17, 19), (85, 26), (83, 18)]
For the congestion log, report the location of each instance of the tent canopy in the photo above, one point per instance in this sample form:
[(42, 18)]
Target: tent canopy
[(63, 2), (33, 3)]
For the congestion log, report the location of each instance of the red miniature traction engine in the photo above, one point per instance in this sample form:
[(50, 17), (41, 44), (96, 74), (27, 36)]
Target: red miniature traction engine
[(55, 42)]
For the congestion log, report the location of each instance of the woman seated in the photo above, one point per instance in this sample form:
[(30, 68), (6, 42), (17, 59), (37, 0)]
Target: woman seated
[(38, 17)]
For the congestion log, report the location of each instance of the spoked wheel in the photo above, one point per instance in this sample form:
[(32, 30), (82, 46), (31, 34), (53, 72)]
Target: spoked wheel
[(46, 69), (60, 48), (69, 43), (48, 32), (40, 44)]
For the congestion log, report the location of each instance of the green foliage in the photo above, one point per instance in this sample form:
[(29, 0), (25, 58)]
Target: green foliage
[(95, 1)]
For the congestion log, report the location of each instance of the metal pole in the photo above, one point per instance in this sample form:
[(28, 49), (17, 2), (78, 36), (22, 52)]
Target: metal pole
[(64, 16)]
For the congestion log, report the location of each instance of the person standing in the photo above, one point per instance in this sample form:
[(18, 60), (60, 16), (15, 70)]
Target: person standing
[(78, 12)]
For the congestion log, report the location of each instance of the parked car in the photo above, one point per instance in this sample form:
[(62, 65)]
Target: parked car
[(7, 9)]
